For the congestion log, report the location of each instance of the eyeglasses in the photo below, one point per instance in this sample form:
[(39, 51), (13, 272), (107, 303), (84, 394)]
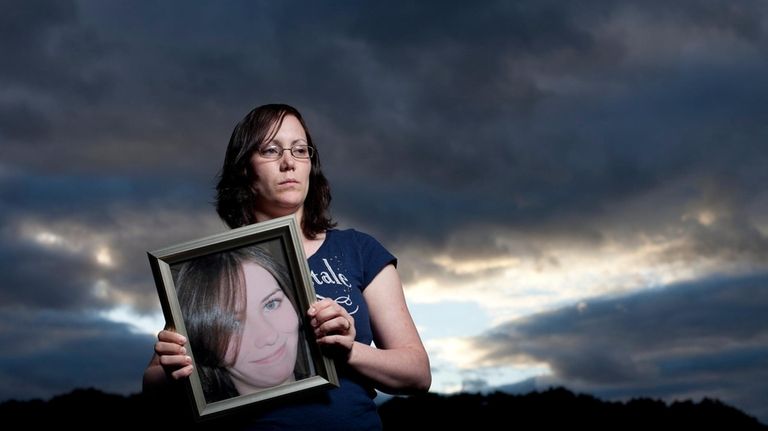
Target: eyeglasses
[(299, 151)]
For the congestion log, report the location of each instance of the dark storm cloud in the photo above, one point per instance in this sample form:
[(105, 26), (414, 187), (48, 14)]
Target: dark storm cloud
[(701, 337), (732, 240), (54, 225), (510, 114), (47, 352), (51, 63), (47, 47), (532, 117), (33, 276), (607, 134), (743, 19), (90, 197)]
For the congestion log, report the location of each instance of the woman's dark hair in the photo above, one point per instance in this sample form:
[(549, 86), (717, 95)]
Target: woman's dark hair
[(211, 292), (235, 196)]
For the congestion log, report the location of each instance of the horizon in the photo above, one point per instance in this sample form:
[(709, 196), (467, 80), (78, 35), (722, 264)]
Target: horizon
[(382, 399)]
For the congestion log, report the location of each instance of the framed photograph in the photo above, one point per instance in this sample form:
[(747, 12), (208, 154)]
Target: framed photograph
[(240, 298)]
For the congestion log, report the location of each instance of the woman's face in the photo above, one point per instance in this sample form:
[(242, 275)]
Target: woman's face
[(267, 353), (281, 185)]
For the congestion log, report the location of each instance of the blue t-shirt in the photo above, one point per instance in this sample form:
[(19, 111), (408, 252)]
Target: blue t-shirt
[(343, 266)]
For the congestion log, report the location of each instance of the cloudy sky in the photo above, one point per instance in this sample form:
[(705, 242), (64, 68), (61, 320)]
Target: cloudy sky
[(576, 191)]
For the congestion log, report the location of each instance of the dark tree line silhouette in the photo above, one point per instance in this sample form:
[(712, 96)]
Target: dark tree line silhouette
[(556, 408)]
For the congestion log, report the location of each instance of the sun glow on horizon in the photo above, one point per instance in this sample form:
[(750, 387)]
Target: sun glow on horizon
[(509, 288), (456, 360), (561, 276)]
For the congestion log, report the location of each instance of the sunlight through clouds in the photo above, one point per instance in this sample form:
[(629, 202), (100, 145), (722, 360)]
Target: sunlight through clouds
[(456, 351), (138, 323), (48, 238), (456, 360), (104, 257), (522, 285), (508, 288), (70, 238), (469, 267), (80, 241)]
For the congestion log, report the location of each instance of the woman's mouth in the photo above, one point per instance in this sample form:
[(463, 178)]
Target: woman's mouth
[(272, 357)]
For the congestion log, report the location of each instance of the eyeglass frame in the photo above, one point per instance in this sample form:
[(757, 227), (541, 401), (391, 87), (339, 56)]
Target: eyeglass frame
[(310, 150)]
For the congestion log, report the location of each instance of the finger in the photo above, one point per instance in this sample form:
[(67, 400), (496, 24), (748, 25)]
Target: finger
[(163, 348), (175, 361), (182, 372), (331, 312), (320, 305), (171, 337), (321, 316), (337, 325)]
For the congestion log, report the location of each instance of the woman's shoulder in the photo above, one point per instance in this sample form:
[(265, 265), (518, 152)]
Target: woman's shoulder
[(353, 239), (349, 234)]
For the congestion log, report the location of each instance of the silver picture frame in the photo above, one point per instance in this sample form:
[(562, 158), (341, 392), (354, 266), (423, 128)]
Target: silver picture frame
[(280, 237)]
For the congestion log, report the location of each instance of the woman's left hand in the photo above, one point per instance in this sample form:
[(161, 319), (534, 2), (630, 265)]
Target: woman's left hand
[(332, 324)]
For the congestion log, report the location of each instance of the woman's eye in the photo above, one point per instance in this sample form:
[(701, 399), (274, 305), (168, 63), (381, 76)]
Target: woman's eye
[(273, 304), (300, 150), (269, 151)]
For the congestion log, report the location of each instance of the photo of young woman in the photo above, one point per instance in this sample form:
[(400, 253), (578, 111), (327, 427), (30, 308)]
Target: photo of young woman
[(243, 323)]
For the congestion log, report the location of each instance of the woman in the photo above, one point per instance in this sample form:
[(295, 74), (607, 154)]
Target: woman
[(242, 321), (272, 169)]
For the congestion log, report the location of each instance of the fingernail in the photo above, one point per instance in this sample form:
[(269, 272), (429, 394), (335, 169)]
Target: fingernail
[(183, 340), (311, 310), (189, 360), (183, 351)]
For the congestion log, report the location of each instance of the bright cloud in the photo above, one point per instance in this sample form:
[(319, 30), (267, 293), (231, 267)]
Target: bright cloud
[(563, 274), (137, 322)]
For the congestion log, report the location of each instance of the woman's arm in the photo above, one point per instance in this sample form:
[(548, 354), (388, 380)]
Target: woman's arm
[(398, 363)]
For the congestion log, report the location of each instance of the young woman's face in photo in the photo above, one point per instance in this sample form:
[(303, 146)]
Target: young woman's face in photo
[(282, 183), (267, 353)]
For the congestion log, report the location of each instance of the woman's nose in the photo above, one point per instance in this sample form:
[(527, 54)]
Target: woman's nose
[(287, 162), (264, 333)]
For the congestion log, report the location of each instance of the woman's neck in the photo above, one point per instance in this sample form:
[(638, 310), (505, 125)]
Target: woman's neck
[(310, 245), (274, 213)]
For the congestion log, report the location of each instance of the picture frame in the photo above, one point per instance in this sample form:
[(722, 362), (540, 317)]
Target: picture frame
[(212, 276)]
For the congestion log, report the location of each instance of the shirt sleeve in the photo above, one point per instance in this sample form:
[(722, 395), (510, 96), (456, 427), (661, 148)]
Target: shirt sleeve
[(373, 256)]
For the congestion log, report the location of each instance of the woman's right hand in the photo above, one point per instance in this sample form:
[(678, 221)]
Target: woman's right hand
[(171, 355), (170, 361)]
